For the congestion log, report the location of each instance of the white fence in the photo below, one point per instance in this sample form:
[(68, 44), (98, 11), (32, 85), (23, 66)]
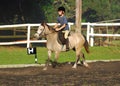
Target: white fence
[(90, 32), (28, 41)]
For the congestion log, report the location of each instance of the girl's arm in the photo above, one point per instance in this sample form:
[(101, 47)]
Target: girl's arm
[(56, 25), (63, 26)]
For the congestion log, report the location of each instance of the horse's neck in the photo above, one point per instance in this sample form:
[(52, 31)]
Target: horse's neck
[(51, 36)]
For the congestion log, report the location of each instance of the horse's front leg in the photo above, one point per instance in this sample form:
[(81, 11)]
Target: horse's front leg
[(48, 60), (56, 58)]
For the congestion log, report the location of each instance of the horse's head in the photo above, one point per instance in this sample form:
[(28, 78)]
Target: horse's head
[(43, 30)]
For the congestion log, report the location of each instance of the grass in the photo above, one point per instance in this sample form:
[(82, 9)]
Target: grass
[(18, 55)]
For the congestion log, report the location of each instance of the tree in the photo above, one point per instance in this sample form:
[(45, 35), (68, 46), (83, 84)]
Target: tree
[(78, 15), (100, 10)]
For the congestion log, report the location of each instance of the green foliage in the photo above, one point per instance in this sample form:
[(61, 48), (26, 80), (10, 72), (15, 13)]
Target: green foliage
[(36, 11), (99, 10), (49, 11)]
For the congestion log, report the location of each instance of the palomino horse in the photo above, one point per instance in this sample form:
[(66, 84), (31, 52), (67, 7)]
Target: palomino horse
[(76, 42)]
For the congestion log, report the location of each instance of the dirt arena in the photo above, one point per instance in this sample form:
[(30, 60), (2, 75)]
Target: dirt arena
[(99, 74)]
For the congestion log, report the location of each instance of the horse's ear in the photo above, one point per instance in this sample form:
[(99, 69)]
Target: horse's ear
[(43, 23)]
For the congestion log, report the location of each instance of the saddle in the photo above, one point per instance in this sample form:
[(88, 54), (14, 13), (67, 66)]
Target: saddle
[(61, 38)]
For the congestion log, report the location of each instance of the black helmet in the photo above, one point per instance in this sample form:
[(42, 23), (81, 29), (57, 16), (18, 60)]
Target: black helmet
[(61, 9)]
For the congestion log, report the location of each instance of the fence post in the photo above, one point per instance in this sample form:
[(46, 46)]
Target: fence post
[(91, 36), (70, 24), (28, 36), (88, 31)]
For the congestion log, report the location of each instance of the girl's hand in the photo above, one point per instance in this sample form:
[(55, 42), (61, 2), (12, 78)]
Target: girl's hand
[(57, 29)]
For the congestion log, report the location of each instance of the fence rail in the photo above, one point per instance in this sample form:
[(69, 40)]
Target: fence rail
[(22, 42), (90, 32), (28, 41)]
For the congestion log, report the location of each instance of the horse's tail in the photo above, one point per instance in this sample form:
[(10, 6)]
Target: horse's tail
[(86, 45)]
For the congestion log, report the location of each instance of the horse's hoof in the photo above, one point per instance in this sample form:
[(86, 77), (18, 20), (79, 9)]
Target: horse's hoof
[(74, 67), (86, 65), (45, 68), (54, 64)]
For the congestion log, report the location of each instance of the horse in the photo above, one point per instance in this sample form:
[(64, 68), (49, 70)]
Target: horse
[(76, 42)]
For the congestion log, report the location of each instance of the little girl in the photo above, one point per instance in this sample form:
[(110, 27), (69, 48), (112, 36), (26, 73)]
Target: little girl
[(63, 24)]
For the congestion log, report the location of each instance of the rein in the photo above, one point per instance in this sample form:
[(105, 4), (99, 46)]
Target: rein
[(48, 33), (50, 28)]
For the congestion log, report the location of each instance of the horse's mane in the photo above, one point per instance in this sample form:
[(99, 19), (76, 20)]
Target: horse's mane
[(49, 27)]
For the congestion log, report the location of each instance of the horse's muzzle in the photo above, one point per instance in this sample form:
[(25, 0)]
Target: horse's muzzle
[(36, 35)]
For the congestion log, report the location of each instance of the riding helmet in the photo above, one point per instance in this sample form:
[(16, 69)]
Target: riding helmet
[(61, 9)]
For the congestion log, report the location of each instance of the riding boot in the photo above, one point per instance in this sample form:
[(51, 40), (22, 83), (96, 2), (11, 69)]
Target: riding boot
[(67, 44)]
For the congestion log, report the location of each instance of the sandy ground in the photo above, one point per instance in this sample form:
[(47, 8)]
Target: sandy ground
[(99, 74)]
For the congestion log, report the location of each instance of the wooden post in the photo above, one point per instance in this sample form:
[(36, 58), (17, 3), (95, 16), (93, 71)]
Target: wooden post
[(78, 15)]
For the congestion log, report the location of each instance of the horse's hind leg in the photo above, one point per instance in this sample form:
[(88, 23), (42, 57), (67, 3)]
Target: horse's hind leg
[(48, 60), (83, 59)]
